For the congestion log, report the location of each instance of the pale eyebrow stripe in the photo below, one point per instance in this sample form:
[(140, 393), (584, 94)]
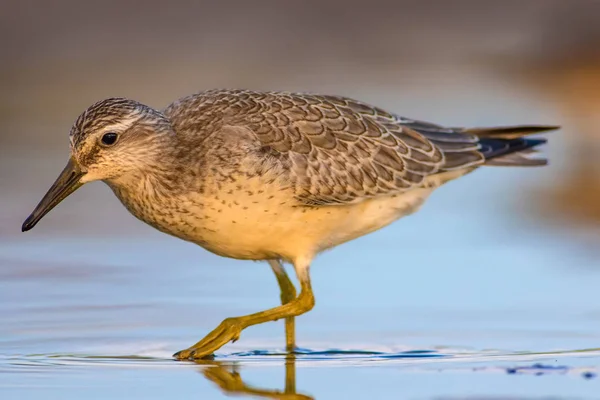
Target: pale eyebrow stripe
[(120, 126)]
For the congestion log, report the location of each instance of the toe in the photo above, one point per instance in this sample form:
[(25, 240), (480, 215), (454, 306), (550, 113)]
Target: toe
[(182, 355), (198, 354)]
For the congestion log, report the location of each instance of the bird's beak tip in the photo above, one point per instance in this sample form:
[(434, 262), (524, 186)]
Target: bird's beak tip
[(27, 225)]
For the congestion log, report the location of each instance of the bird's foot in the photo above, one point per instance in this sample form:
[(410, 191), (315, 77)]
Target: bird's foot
[(229, 330)]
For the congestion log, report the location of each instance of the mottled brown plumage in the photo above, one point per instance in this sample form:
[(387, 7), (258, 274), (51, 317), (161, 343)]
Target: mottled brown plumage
[(332, 150), (272, 176)]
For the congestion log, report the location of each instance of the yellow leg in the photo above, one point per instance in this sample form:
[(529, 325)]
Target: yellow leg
[(231, 328), (288, 293)]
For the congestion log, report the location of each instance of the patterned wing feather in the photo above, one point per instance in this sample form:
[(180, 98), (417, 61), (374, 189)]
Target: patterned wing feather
[(341, 150), (335, 150)]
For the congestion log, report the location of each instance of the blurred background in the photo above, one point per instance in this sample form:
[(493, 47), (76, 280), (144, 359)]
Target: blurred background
[(520, 245), (458, 62)]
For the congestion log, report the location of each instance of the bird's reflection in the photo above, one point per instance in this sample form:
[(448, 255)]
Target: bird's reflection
[(226, 376)]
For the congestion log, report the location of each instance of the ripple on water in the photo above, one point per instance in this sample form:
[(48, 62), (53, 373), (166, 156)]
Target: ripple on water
[(304, 354), (422, 360), (301, 355)]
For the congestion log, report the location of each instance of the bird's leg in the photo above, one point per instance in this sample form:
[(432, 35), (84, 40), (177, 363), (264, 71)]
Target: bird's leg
[(288, 293), (231, 328)]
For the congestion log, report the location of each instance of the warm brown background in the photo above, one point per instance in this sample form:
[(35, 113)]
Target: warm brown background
[(455, 62)]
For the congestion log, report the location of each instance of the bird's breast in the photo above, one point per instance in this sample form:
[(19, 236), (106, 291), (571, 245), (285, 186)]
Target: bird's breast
[(256, 221)]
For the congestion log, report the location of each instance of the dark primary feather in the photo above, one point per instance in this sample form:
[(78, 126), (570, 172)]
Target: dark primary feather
[(501, 146), (510, 132)]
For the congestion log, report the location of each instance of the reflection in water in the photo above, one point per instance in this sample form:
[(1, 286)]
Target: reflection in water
[(226, 376)]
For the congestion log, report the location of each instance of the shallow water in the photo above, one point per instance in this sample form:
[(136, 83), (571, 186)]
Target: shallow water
[(436, 306)]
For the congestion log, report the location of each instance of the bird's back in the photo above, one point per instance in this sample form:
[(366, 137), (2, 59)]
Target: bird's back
[(336, 150)]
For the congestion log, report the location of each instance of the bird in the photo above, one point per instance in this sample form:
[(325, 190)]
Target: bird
[(273, 176)]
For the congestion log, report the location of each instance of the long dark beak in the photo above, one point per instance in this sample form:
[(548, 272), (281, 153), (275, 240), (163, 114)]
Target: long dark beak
[(67, 182)]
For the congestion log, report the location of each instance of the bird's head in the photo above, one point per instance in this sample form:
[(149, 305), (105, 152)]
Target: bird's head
[(114, 139)]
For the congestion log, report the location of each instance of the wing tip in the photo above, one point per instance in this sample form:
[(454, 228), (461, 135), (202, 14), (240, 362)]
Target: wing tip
[(511, 132)]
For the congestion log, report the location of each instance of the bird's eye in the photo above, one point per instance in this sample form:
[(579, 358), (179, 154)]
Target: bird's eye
[(109, 138)]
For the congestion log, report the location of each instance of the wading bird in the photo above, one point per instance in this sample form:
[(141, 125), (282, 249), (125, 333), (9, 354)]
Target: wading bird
[(272, 176)]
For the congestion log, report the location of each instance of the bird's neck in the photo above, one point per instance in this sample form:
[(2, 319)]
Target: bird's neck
[(148, 194), (153, 180)]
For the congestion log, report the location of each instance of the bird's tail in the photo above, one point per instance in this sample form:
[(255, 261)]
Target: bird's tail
[(507, 146)]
